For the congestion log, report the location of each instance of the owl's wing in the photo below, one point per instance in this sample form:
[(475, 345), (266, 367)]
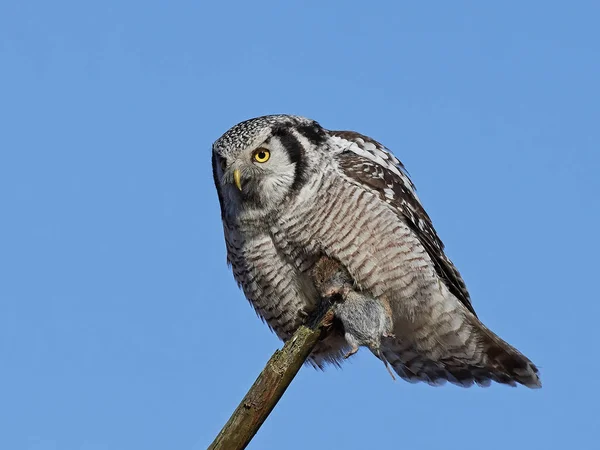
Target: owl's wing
[(371, 164)]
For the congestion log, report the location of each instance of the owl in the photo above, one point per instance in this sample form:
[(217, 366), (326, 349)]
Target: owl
[(309, 212)]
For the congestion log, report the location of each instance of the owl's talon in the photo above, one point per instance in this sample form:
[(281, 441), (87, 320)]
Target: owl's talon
[(328, 320)]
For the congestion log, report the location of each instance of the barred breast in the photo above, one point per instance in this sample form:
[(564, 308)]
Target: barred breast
[(351, 224), (274, 287)]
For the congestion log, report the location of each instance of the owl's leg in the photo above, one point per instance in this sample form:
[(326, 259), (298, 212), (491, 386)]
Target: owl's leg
[(336, 293), (331, 295), (325, 315)]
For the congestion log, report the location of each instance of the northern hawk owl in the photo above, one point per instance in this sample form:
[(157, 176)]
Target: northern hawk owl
[(308, 211)]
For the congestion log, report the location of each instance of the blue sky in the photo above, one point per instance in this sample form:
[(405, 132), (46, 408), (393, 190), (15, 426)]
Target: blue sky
[(120, 324)]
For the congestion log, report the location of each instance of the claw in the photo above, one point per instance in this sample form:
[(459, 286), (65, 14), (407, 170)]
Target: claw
[(336, 293)]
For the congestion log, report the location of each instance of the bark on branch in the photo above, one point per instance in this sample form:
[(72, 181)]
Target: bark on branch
[(270, 386)]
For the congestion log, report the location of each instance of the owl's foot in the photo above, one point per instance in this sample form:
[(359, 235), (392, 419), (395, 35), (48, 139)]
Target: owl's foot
[(328, 320), (336, 294)]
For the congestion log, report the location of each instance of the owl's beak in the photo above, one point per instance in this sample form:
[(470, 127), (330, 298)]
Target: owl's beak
[(238, 179)]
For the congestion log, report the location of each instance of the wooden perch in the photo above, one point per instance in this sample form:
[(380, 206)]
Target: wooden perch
[(270, 386)]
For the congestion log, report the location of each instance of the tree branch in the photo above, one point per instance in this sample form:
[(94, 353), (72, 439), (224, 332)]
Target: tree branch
[(270, 386)]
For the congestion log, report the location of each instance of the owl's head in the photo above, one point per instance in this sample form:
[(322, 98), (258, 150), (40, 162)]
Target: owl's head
[(259, 163)]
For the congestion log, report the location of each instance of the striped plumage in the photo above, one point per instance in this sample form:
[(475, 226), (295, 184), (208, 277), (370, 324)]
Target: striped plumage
[(307, 192)]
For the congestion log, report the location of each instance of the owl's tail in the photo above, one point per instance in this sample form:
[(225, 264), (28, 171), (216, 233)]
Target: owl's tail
[(473, 355), (504, 363)]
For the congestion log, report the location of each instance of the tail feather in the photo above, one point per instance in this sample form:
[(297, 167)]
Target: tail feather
[(506, 362), (482, 358)]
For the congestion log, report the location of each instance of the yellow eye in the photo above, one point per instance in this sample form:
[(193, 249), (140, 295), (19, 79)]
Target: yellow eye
[(261, 155)]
